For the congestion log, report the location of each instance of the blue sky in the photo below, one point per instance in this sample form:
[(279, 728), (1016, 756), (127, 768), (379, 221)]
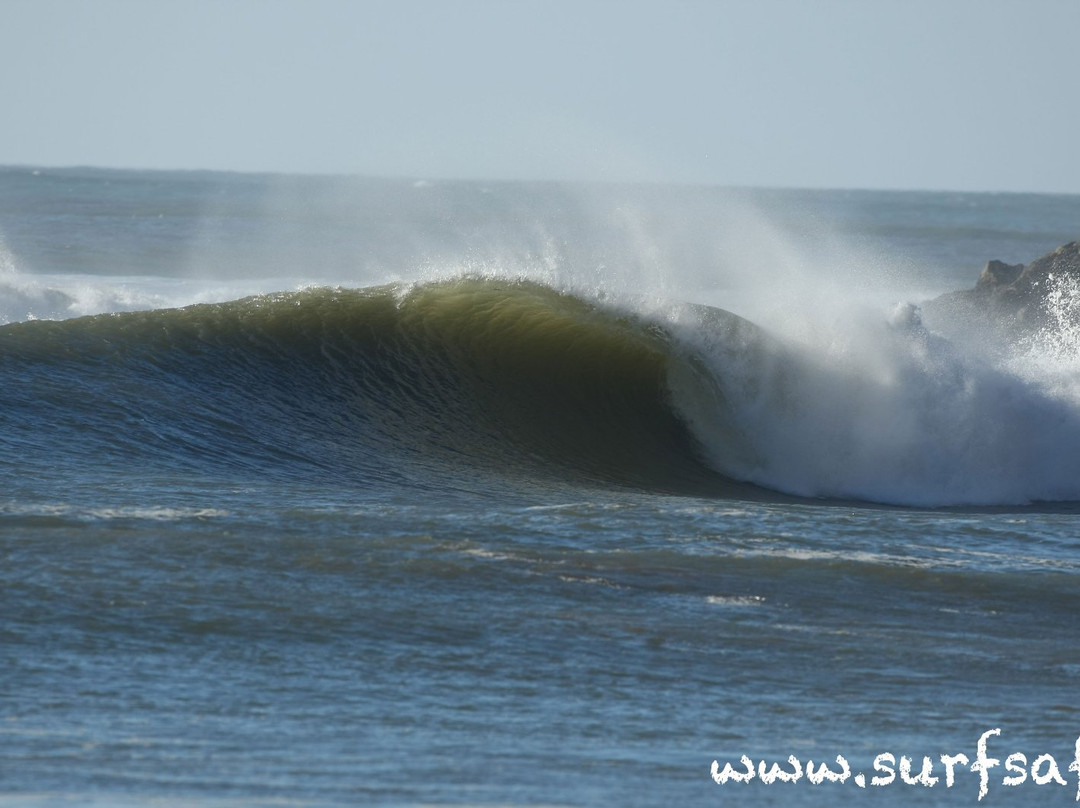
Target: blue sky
[(942, 94)]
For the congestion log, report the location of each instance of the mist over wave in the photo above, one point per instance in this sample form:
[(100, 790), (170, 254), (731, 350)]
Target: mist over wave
[(671, 341), (886, 412)]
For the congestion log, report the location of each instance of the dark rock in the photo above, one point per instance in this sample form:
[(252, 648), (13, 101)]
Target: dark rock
[(1007, 299), (998, 273)]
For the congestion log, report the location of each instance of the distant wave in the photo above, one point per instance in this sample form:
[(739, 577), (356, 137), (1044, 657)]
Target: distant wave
[(478, 381)]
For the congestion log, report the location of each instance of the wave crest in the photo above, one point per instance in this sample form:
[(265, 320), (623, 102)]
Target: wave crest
[(478, 382)]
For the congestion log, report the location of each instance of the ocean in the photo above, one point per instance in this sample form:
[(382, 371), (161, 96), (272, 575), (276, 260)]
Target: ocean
[(368, 491)]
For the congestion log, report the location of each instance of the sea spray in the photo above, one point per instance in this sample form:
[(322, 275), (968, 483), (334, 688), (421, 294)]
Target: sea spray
[(872, 407), (821, 391)]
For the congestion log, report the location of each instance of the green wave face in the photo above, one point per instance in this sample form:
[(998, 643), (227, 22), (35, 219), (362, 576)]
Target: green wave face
[(463, 380)]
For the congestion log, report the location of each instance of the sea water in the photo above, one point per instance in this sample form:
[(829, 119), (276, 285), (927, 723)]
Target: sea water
[(341, 491)]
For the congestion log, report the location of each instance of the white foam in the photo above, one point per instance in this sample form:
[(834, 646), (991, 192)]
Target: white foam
[(864, 410), (26, 297), (147, 513), (735, 600)]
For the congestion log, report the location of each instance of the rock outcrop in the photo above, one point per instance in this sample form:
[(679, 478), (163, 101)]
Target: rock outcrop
[(1011, 298)]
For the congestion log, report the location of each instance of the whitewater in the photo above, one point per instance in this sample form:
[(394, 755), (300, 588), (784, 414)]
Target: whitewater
[(327, 490)]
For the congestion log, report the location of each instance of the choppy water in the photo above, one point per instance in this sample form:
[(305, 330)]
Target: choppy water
[(523, 494)]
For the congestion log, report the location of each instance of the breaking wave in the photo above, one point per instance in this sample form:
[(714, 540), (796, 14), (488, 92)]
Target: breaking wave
[(476, 382)]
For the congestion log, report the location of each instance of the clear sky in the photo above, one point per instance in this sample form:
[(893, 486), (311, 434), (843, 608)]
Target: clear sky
[(931, 94)]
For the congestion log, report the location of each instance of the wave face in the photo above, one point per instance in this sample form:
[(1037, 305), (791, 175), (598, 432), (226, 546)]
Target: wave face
[(477, 382), (394, 385)]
